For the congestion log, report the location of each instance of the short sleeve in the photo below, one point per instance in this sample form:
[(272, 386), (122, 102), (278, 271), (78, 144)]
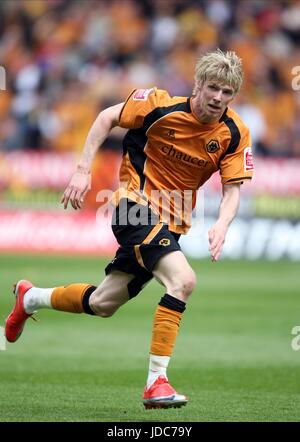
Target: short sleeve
[(138, 104), (238, 166)]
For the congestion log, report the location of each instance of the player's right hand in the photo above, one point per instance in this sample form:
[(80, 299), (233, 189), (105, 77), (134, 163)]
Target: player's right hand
[(77, 189)]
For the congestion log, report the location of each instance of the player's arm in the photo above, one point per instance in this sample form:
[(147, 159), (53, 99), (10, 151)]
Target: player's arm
[(80, 182), (228, 209)]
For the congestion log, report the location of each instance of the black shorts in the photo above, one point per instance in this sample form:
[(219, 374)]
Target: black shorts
[(143, 240)]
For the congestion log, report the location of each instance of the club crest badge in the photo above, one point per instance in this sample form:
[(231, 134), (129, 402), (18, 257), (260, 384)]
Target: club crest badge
[(212, 146)]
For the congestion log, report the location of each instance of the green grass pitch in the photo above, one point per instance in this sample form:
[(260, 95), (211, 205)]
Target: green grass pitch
[(233, 356)]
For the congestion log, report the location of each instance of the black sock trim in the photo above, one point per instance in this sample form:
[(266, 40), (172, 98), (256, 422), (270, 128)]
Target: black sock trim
[(85, 300), (172, 303)]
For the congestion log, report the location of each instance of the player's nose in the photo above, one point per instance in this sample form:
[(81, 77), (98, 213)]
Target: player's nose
[(218, 96)]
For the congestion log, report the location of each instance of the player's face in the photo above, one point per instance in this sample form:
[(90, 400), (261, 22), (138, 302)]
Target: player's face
[(211, 100)]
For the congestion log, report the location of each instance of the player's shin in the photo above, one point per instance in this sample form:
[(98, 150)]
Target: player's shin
[(73, 298), (165, 329)]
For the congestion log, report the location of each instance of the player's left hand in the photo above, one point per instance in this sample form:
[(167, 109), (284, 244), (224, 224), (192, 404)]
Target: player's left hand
[(216, 238)]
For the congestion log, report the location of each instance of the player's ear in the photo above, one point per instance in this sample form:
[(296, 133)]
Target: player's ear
[(197, 87), (233, 97)]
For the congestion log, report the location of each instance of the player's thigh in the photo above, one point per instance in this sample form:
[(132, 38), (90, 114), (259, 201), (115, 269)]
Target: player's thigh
[(111, 293), (176, 274)]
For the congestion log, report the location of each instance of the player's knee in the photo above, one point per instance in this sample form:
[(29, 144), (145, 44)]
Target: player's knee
[(183, 285), (106, 313), (101, 307), (189, 282)]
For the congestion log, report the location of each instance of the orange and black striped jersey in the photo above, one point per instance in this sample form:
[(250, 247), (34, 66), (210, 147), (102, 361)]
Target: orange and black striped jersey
[(168, 149)]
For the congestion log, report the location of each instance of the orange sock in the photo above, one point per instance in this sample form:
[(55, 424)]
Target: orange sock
[(166, 325), (71, 298)]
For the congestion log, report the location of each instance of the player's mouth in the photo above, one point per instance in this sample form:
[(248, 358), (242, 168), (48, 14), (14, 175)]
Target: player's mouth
[(214, 107)]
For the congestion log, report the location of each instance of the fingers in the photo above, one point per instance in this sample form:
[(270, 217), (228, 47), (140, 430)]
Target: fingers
[(215, 255), (74, 196), (65, 198), (74, 199), (76, 190), (216, 242)]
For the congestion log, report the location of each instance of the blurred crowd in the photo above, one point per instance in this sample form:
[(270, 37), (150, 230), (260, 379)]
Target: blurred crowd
[(65, 60)]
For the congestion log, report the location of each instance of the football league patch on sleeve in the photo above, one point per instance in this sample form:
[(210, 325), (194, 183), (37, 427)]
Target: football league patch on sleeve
[(142, 94), (248, 159)]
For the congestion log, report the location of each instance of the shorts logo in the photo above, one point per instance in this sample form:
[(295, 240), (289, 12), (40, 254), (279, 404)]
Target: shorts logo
[(164, 242), (141, 94), (248, 159), (212, 146)]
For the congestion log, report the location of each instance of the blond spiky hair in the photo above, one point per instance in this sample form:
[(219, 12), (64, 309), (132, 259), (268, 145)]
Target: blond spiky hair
[(224, 67)]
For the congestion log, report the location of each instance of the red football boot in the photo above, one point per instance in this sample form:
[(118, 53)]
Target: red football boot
[(16, 320), (162, 395)]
